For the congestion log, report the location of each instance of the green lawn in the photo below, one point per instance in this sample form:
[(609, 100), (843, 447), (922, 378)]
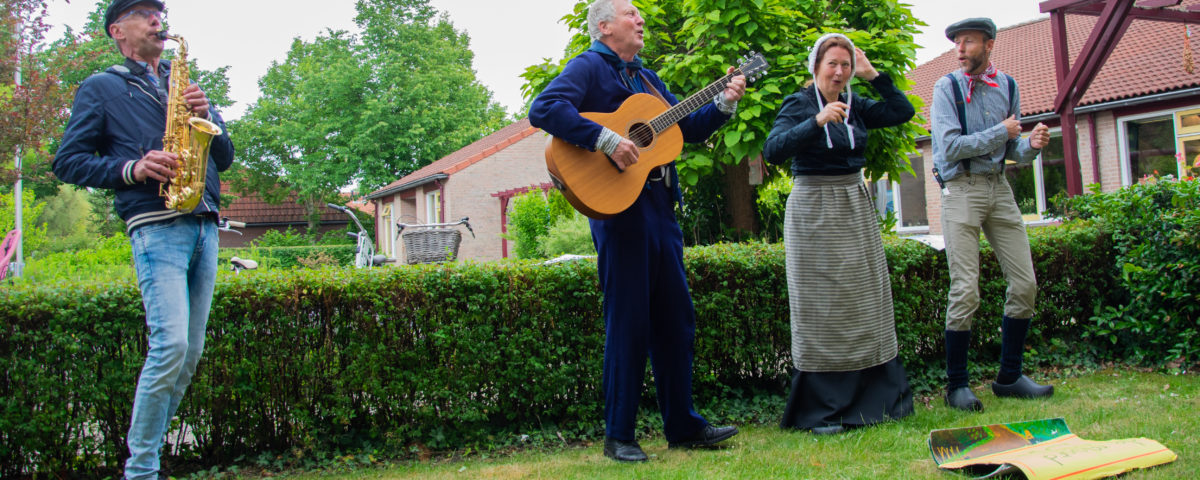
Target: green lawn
[(1103, 405)]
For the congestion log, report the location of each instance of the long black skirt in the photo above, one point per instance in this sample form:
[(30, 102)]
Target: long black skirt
[(851, 399)]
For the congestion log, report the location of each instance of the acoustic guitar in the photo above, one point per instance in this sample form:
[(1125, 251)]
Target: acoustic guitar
[(593, 184)]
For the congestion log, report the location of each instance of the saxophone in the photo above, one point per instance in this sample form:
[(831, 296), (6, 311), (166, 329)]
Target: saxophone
[(187, 136)]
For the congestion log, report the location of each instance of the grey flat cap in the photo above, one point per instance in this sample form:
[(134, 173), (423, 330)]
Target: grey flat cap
[(981, 24)]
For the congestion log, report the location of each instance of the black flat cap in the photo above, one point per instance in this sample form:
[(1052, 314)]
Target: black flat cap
[(117, 6), (981, 24)]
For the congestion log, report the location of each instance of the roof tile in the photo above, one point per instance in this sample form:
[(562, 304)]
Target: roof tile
[(1148, 59), (476, 151)]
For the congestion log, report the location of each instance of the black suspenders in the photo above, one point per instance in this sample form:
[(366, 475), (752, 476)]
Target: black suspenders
[(961, 106)]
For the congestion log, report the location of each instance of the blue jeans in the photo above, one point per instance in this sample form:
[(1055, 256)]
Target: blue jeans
[(176, 267)]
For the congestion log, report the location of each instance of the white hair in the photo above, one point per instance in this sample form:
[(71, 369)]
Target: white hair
[(600, 11)]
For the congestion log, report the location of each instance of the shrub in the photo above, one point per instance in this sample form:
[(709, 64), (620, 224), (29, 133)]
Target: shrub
[(270, 258), (571, 234), (1156, 233), (532, 215), (283, 238), (107, 258), (453, 355)]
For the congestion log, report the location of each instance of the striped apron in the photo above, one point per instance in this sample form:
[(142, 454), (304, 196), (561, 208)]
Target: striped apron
[(838, 286)]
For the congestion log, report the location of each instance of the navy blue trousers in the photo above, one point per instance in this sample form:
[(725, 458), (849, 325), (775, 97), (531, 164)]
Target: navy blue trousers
[(647, 312)]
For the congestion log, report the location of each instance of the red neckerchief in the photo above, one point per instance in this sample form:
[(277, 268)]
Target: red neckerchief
[(984, 77)]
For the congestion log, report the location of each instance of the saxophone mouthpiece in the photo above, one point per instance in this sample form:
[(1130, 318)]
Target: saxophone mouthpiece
[(162, 35)]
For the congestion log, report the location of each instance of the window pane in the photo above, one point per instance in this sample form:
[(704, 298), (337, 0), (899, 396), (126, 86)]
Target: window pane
[(1020, 177), (1054, 169), (912, 196), (1189, 120), (1191, 156), (1151, 147)]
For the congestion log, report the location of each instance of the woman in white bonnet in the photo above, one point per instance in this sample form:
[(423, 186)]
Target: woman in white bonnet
[(848, 372)]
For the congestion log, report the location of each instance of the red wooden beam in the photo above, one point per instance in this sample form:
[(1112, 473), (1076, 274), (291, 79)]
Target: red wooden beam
[(1062, 59), (1051, 5), (1095, 51), (1190, 14), (1091, 70), (1158, 3)]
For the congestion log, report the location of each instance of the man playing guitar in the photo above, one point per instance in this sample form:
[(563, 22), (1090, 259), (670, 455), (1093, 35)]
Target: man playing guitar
[(647, 306)]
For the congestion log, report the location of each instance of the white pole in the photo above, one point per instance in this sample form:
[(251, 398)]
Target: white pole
[(17, 264)]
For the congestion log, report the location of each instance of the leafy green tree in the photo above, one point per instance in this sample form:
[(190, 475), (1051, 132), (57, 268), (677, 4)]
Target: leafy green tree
[(296, 137), (33, 235), (34, 112), (67, 218), (425, 102), (532, 216), (691, 42), (346, 111)]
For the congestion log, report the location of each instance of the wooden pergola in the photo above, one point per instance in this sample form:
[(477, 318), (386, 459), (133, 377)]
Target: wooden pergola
[(1074, 80)]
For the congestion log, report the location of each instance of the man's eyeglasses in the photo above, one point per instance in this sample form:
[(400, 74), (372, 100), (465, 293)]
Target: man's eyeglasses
[(143, 13)]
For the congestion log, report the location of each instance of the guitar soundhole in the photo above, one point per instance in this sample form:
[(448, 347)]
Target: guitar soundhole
[(641, 135)]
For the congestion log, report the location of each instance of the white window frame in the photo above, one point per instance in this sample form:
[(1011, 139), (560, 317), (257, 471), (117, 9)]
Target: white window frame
[(1039, 180), (1123, 142), (386, 240), (880, 189), (433, 204)]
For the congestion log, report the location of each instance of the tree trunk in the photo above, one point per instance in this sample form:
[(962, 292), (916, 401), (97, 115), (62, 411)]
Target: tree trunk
[(739, 199)]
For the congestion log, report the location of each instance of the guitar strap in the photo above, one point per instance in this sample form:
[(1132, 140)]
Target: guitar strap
[(653, 91), (667, 170)]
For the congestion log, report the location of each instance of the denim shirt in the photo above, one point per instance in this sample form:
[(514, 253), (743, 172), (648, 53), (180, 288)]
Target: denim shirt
[(986, 144)]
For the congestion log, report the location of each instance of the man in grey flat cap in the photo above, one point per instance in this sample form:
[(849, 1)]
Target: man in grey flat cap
[(976, 127)]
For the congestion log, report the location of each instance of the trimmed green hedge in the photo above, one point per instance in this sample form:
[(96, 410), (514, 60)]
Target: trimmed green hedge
[(452, 355), (1156, 236)]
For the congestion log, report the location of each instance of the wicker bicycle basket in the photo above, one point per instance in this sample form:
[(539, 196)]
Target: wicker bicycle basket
[(431, 245)]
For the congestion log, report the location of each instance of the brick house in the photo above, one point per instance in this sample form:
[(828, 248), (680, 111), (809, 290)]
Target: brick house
[(1141, 110), (261, 217), (477, 181)]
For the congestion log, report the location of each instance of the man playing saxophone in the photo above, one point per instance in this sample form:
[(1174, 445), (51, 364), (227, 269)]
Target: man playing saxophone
[(114, 140)]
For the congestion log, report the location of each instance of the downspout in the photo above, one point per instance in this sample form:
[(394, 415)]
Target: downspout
[(442, 202), (1095, 148), (504, 226)]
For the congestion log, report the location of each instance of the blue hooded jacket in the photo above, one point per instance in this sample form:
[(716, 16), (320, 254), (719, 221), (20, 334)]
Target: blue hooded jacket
[(117, 117)]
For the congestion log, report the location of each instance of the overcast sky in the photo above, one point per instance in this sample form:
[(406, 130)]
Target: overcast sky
[(247, 35)]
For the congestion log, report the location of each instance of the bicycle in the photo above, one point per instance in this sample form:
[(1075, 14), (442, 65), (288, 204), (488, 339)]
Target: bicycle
[(236, 264), (433, 242), (364, 248)]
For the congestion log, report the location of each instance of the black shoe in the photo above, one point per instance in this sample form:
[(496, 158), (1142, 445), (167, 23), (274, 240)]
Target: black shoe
[(1022, 388), (706, 437), (828, 430), (963, 399), (623, 451)]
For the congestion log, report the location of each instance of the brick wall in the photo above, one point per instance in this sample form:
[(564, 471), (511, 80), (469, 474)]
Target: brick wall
[(1107, 138), (933, 193), (469, 192)]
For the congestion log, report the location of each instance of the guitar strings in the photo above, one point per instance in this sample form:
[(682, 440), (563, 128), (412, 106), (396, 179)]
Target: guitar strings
[(641, 135)]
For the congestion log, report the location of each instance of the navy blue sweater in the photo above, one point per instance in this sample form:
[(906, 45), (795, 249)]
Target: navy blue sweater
[(797, 137), (117, 117)]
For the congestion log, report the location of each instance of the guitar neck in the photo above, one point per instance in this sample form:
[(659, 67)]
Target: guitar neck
[(682, 109)]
